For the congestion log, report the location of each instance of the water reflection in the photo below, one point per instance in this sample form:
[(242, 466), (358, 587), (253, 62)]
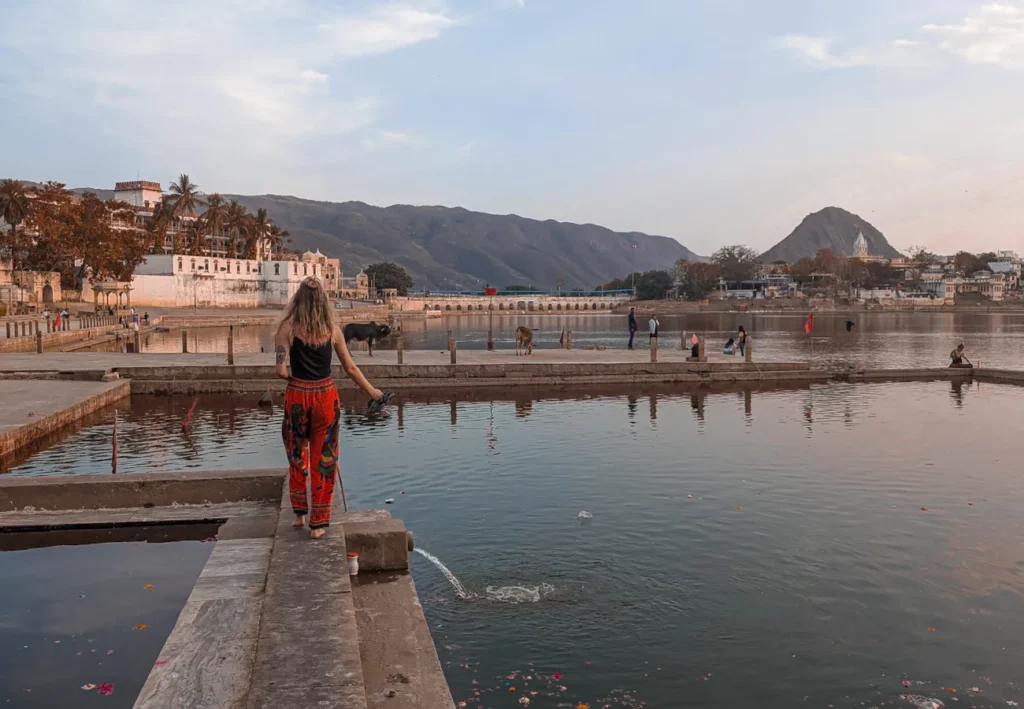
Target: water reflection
[(879, 339), (798, 568)]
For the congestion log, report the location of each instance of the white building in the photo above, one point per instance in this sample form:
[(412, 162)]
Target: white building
[(179, 280)]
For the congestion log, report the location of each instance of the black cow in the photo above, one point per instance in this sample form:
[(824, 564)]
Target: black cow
[(365, 332)]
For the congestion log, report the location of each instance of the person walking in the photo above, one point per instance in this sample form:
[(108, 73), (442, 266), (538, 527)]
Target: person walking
[(653, 326), (303, 346), (632, 327), (741, 341)]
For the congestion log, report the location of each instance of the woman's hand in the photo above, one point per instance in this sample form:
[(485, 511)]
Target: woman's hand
[(375, 394)]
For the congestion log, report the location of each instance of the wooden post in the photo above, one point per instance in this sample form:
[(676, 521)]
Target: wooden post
[(138, 343), (682, 340), (701, 353), (8, 329), (748, 353), (654, 349), (231, 344), (39, 342), (490, 328), (568, 339), (49, 325), (450, 342), (184, 341), (452, 348), (400, 347)]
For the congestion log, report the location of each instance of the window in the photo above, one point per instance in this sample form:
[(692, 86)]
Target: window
[(277, 269), (206, 265), (259, 268), (314, 269), (305, 270), (238, 267), (247, 267), (295, 269), (179, 262)]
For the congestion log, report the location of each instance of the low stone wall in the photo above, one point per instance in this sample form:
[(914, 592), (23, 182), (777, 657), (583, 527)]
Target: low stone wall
[(54, 340), (23, 435)]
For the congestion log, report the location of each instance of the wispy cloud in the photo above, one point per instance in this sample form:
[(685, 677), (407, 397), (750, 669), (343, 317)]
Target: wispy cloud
[(994, 34), (822, 52), (991, 34), (236, 80)]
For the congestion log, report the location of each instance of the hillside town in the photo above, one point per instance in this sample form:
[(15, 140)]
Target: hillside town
[(180, 248)]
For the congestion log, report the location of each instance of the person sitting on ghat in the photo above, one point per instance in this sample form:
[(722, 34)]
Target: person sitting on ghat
[(730, 347), (958, 358)]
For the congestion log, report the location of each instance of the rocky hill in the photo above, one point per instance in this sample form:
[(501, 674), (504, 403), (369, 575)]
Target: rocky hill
[(445, 247), (451, 247), (831, 228)]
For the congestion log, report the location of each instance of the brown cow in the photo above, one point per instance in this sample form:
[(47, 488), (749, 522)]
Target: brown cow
[(524, 340)]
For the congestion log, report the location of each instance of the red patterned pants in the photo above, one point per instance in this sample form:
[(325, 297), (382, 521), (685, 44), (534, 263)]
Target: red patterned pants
[(312, 418)]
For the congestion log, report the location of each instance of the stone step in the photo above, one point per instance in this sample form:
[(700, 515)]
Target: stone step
[(307, 654)]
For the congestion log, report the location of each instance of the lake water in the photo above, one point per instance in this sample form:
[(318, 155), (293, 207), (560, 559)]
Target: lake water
[(77, 621), (878, 339), (815, 546)]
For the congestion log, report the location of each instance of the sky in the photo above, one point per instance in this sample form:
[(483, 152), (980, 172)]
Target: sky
[(711, 121)]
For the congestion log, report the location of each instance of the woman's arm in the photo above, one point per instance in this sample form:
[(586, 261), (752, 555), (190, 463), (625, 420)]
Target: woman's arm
[(351, 370), (282, 341)]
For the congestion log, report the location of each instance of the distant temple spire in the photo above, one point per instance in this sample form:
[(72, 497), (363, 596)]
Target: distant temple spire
[(860, 246)]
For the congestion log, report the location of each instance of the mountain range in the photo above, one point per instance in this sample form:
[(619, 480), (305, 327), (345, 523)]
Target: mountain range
[(830, 228), (451, 247)]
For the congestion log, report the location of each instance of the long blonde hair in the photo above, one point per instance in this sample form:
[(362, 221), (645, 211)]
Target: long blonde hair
[(310, 315)]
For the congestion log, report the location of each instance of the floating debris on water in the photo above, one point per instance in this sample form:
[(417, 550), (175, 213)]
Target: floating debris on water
[(584, 515)]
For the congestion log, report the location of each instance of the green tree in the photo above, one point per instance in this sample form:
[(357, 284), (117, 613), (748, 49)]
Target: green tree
[(389, 275), (276, 240), (184, 196), (239, 224), (653, 285), (15, 208), (737, 263), (967, 263), (987, 257), (259, 231), (696, 279)]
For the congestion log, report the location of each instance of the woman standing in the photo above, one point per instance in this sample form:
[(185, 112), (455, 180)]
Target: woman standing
[(312, 412), (741, 341)]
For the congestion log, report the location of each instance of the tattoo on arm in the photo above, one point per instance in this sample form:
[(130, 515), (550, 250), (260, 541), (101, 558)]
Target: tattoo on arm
[(280, 354)]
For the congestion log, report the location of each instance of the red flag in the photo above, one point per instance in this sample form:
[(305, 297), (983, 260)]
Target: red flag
[(809, 325)]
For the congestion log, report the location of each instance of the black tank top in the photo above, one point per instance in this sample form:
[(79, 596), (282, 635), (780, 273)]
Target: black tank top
[(310, 362)]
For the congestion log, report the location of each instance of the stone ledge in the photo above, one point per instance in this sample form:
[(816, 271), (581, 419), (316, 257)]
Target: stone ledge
[(382, 544), (73, 492)]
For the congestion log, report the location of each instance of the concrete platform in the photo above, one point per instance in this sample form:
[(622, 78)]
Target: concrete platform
[(35, 408), (272, 620)]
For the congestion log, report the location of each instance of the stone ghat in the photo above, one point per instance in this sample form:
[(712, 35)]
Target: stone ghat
[(242, 639)]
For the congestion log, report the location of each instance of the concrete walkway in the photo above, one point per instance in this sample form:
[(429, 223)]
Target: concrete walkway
[(35, 408), (90, 361)]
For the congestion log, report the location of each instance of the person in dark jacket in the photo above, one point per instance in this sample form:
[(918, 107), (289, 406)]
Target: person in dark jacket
[(632, 326)]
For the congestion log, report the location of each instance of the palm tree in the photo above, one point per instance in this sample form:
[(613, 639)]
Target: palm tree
[(197, 230), (259, 230), (239, 226), (156, 228), (15, 208), (185, 196), (216, 215), (276, 239)]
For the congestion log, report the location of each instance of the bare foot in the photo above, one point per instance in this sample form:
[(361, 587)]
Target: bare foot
[(300, 521), (317, 533)]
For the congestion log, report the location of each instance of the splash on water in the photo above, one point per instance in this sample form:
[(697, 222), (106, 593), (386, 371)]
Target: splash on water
[(496, 594), (460, 590), (518, 594)]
